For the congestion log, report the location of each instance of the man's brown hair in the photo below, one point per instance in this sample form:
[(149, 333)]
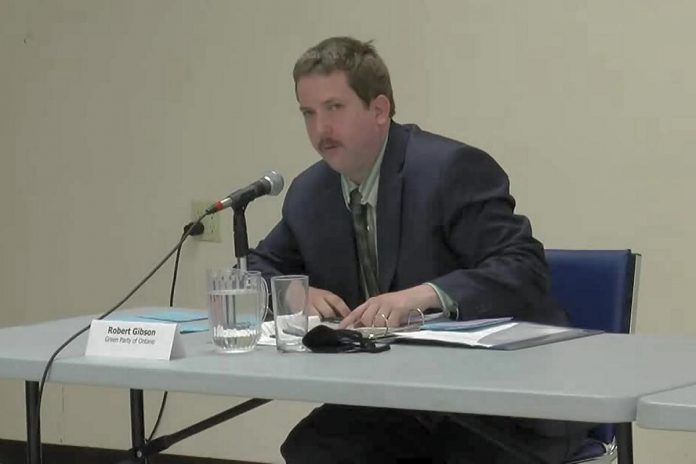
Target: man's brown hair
[(367, 74)]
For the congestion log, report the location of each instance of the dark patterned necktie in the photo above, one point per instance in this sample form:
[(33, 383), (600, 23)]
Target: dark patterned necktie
[(366, 254)]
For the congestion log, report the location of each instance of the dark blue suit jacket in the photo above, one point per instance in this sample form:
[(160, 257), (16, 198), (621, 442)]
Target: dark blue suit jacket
[(444, 215)]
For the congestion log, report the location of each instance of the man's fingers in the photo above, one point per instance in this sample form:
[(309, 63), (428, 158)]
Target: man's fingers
[(324, 308), (369, 316), (312, 311), (325, 304), (317, 305), (394, 319), (339, 306), (351, 318), (381, 318)]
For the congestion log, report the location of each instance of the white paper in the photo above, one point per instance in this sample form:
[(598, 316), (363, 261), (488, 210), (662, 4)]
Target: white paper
[(268, 330), (470, 338)]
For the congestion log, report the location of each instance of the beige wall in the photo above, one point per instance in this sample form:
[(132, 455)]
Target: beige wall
[(115, 115)]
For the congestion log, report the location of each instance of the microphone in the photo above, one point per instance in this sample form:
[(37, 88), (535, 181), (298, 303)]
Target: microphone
[(271, 183)]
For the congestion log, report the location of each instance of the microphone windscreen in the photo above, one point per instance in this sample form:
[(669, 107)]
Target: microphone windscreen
[(321, 337), (277, 182)]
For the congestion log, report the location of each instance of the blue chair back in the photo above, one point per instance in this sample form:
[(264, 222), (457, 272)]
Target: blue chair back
[(596, 288)]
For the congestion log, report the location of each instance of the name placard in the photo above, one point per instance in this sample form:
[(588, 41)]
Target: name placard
[(143, 340)]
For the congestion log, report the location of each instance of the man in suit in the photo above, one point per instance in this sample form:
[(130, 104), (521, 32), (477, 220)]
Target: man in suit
[(394, 220)]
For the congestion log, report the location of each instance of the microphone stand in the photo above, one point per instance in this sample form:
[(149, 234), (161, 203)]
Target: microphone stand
[(241, 241), (141, 454)]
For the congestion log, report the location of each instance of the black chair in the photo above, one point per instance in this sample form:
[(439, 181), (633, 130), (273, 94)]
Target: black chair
[(598, 289)]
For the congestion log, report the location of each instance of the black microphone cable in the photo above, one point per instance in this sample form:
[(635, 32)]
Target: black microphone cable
[(198, 229), (189, 229)]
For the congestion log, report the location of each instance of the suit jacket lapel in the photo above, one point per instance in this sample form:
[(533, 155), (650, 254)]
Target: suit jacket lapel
[(389, 205)]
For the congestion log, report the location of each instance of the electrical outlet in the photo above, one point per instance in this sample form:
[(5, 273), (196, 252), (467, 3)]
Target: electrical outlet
[(211, 223)]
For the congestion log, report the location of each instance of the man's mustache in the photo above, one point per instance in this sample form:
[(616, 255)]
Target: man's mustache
[(326, 143)]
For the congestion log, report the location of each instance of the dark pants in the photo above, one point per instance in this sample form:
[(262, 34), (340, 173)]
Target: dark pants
[(347, 434)]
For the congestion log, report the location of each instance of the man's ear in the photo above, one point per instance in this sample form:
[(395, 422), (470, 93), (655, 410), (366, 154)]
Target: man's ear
[(382, 108)]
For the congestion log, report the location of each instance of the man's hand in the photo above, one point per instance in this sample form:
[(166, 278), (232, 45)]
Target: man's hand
[(326, 304), (392, 309)]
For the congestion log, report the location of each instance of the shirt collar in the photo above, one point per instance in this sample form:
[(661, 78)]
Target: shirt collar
[(369, 188)]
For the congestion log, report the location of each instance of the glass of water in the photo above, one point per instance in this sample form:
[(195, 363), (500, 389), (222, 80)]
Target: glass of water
[(237, 304), (290, 294)]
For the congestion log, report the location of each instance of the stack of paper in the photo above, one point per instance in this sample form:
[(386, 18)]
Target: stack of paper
[(189, 320), (468, 338)]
